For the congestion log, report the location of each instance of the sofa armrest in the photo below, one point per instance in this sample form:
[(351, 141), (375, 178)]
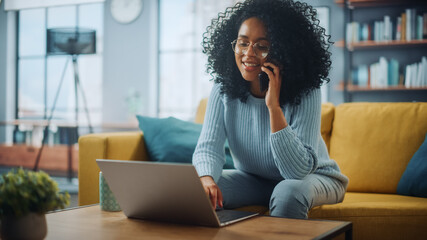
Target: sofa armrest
[(119, 146)]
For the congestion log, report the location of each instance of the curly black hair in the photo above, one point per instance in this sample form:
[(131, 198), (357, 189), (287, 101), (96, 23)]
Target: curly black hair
[(298, 44)]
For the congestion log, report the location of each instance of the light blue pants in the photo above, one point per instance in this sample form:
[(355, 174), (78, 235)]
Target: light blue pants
[(287, 198)]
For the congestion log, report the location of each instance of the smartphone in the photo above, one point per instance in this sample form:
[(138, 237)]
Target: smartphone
[(264, 80)]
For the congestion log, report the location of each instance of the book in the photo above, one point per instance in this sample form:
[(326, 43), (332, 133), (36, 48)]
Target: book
[(383, 76), (419, 27), (424, 69), (376, 31), (408, 24), (365, 32), (407, 27), (408, 76), (369, 76), (356, 31), (353, 77), (413, 24), (349, 32), (393, 79), (386, 31), (373, 74), (419, 81), (363, 76), (414, 75), (398, 28), (425, 26), (379, 28), (385, 73), (369, 32), (403, 28)]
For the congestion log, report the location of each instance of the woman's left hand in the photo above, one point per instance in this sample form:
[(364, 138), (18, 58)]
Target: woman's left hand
[(273, 93)]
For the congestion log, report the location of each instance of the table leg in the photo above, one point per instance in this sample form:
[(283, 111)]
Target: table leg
[(70, 154), (349, 234)]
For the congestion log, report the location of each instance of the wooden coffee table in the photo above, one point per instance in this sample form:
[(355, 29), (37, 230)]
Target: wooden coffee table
[(91, 222)]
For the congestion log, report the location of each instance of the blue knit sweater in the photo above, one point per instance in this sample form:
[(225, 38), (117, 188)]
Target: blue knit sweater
[(291, 153)]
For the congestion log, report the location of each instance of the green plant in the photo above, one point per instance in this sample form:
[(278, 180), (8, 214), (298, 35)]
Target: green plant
[(23, 191)]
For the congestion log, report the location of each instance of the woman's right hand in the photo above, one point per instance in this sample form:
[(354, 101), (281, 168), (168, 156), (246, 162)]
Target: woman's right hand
[(212, 190)]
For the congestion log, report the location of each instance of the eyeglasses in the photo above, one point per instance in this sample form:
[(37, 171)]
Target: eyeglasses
[(241, 47)]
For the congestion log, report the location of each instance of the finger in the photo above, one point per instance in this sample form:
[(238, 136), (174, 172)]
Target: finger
[(266, 69), (220, 199), (269, 73), (206, 190), (213, 197), (275, 68)]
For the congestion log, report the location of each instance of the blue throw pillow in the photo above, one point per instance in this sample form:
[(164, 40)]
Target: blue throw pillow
[(414, 180), (173, 140)]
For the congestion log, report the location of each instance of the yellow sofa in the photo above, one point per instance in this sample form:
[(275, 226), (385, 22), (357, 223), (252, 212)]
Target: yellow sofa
[(371, 142)]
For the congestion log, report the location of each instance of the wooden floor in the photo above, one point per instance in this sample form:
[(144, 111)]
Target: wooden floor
[(54, 159)]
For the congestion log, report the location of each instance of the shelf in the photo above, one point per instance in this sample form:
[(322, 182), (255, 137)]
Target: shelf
[(377, 3), (367, 50), (339, 44), (354, 88), (373, 44), (68, 124)]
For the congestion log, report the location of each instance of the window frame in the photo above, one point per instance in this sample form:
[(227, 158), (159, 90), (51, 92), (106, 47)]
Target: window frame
[(44, 57)]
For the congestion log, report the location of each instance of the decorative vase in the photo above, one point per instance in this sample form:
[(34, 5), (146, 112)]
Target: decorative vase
[(107, 201), (29, 227)]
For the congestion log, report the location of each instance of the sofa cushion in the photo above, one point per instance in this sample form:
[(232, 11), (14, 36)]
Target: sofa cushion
[(118, 145), (327, 117), (173, 140), (373, 142), (201, 110), (379, 216), (414, 179)]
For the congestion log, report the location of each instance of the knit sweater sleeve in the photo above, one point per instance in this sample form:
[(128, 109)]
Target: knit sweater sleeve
[(294, 148), (209, 155)]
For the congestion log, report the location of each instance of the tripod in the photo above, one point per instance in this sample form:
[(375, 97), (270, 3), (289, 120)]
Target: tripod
[(77, 86)]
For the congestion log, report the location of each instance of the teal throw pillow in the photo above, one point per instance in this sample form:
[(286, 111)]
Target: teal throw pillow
[(414, 180), (173, 140)]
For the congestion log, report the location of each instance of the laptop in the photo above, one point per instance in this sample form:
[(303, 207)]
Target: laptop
[(164, 192)]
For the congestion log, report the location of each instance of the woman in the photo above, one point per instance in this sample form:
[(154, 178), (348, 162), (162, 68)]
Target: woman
[(280, 157)]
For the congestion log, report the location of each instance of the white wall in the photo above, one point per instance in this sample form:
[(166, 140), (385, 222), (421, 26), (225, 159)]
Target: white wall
[(130, 63), (3, 29), (336, 31), (7, 71)]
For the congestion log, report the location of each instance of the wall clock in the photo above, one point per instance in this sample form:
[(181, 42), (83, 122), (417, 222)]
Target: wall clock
[(126, 11)]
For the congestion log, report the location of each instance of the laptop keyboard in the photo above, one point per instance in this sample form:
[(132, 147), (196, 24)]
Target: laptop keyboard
[(230, 215)]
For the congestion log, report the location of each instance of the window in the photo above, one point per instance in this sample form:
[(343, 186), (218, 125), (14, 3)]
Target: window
[(183, 78), (39, 75)]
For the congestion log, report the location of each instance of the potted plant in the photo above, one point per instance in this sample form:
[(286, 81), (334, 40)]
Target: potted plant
[(25, 197)]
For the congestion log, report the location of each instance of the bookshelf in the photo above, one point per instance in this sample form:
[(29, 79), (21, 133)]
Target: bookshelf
[(368, 50), (373, 44), (375, 3), (355, 88)]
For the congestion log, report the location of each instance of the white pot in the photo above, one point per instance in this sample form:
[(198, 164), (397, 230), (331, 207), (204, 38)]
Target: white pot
[(29, 227)]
